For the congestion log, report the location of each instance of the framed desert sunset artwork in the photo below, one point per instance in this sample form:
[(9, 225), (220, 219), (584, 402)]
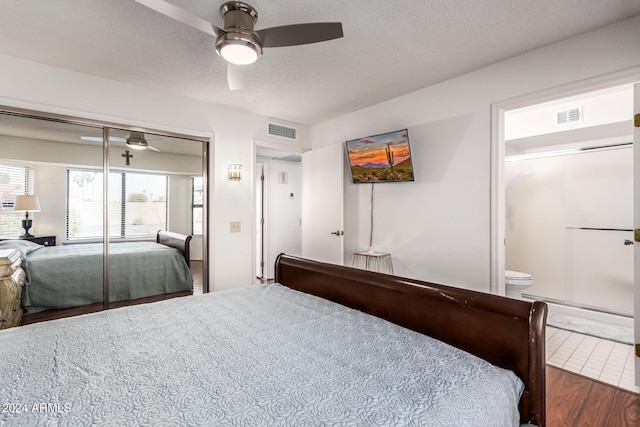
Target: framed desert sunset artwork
[(381, 158)]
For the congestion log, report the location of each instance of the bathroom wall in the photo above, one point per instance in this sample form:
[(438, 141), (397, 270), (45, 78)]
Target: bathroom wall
[(599, 108), (564, 216)]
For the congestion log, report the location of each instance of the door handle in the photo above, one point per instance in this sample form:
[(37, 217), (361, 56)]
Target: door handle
[(337, 232), (627, 242)]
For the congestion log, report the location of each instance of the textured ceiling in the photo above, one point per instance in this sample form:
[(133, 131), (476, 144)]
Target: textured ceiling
[(390, 47)]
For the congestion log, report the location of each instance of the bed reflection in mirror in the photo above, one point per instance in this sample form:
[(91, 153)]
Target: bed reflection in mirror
[(154, 214), (153, 181)]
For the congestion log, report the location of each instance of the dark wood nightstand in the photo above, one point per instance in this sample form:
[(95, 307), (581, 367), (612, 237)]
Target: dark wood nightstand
[(42, 240)]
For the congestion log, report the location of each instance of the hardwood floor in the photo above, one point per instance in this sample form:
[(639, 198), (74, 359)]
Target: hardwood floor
[(574, 400)]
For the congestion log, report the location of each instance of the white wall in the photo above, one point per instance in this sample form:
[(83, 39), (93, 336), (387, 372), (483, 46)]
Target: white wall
[(38, 87), (50, 185), (180, 212), (598, 108), (606, 120), (179, 204), (438, 228)]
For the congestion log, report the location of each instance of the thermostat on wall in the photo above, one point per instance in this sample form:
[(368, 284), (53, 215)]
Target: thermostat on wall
[(282, 178)]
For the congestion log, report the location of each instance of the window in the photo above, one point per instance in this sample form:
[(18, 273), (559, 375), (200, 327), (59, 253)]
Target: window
[(196, 205), (14, 181), (137, 204)]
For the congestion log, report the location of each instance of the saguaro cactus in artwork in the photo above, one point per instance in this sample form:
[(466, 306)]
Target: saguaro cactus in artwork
[(390, 158)]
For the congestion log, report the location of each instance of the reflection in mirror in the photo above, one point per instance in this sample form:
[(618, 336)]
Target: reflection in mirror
[(154, 196), (155, 217), (56, 163)]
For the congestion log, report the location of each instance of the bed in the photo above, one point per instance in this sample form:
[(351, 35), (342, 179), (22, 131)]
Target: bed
[(65, 276), (325, 345)]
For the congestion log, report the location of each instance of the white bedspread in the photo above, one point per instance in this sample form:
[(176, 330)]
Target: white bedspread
[(262, 355)]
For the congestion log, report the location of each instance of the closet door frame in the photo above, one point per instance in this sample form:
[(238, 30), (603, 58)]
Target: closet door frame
[(106, 127)]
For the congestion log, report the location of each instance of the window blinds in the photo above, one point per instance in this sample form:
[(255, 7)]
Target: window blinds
[(137, 204), (14, 180)]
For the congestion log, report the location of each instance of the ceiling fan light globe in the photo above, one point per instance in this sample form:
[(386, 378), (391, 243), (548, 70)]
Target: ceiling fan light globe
[(239, 47), (137, 145), (239, 54)]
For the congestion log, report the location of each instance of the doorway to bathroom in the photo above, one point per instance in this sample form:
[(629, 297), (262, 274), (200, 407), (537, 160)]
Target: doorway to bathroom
[(592, 270), (570, 112), (568, 182)]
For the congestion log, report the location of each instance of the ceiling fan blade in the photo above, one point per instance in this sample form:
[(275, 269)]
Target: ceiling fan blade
[(153, 148), (235, 76), (181, 15), (297, 34), (99, 139)]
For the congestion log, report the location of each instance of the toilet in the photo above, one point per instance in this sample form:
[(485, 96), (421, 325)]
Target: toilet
[(515, 282)]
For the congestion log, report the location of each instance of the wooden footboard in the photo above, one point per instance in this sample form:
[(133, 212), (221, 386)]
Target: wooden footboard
[(175, 240), (505, 332)]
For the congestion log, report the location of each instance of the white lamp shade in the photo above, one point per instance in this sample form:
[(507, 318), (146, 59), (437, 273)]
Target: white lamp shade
[(27, 203)]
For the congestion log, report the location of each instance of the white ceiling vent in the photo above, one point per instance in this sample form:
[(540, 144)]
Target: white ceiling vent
[(283, 131), (568, 116)]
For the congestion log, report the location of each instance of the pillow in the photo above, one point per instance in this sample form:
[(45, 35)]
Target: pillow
[(25, 247)]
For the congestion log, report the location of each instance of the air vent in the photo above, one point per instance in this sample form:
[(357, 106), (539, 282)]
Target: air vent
[(283, 131), (571, 115)]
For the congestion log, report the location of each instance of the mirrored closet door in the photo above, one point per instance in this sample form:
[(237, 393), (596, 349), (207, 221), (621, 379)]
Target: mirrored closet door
[(48, 183), (155, 216), (57, 204)]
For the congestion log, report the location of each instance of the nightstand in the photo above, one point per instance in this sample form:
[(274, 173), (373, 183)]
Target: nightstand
[(42, 240), (12, 278)]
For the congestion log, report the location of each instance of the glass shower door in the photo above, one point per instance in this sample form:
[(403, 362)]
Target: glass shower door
[(568, 216)]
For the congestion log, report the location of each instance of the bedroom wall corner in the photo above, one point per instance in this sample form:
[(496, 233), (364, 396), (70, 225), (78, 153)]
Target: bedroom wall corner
[(32, 86), (439, 227)]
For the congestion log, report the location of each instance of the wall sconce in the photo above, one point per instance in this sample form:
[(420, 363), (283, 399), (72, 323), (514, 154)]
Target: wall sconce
[(235, 172)]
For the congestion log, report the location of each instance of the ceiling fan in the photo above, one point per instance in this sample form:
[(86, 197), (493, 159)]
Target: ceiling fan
[(136, 141), (238, 43)]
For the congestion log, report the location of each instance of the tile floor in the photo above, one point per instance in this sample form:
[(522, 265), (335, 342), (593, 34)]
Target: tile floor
[(606, 361)]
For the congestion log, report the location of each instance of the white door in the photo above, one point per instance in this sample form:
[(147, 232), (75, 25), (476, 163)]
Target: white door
[(322, 204), (636, 223)]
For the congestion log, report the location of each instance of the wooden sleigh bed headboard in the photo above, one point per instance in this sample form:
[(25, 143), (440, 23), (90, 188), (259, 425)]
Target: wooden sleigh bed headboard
[(175, 240), (505, 332)]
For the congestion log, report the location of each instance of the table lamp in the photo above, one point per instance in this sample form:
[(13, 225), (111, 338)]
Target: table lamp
[(26, 203)]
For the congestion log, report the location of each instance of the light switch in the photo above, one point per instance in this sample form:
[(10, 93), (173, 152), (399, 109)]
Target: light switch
[(235, 226)]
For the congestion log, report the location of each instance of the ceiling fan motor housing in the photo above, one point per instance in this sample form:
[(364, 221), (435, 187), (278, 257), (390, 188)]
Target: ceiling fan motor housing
[(137, 141), (239, 20)]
